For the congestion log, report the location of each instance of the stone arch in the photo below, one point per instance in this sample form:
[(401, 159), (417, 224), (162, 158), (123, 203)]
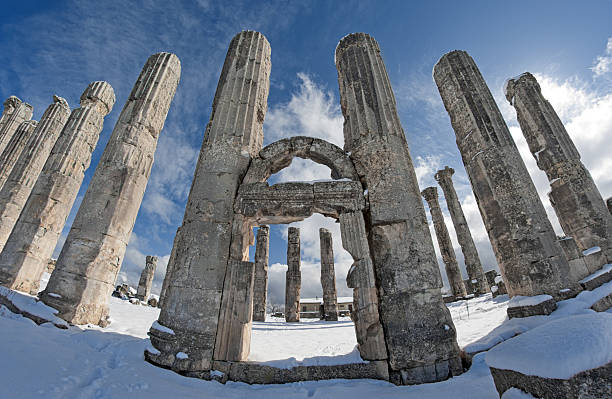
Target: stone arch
[(278, 155)]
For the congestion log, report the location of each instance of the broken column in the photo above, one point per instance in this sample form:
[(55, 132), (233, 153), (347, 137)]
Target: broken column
[(146, 279), (13, 150), (36, 232), (525, 245), (419, 332), (473, 266), (21, 180), (234, 135), (260, 282), (453, 273), (328, 276), (15, 112), (91, 257), (293, 279), (579, 206)]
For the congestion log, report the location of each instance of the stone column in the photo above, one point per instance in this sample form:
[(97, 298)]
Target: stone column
[(20, 181), (444, 242), (522, 237), (233, 136), (13, 150), (90, 259), (35, 235), (419, 332), (328, 276), (579, 206), (168, 276), (609, 204), (470, 254), (293, 279), (260, 284), (15, 112), (146, 279)]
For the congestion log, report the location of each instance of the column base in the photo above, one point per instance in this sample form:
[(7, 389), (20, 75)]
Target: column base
[(438, 371)]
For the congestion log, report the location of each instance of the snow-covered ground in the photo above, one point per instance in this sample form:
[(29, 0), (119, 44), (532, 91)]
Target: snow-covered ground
[(91, 362)]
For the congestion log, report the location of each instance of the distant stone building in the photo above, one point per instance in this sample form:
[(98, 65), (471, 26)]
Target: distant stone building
[(311, 308)]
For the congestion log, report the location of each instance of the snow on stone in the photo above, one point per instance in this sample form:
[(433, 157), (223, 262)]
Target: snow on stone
[(54, 295), (159, 327), (592, 250), (559, 349), (519, 300), (537, 154), (475, 155), (498, 279), (605, 269), (515, 393), (32, 305), (217, 373), (182, 355)]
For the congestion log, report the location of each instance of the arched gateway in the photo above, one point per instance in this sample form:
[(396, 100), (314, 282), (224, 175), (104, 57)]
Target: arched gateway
[(402, 325)]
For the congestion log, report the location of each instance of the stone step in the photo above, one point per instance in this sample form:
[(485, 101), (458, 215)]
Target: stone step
[(598, 278), (603, 304)]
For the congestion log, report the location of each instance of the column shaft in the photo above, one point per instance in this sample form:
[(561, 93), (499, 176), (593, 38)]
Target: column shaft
[(35, 235), (444, 242), (293, 279), (90, 259), (146, 279), (522, 237), (260, 284), (13, 150), (464, 236), (14, 114), (328, 276)]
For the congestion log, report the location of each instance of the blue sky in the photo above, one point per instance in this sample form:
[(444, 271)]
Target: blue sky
[(59, 47)]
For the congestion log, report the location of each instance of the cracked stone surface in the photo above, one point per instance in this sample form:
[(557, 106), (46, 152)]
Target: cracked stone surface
[(419, 333), (21, 180), (464, 236), (38, 229), (200, 266), (577, 202), (14, 114), (523, 240), (91, 257), (146, 278), (453, 273), (293, 279), (13, 150), (260, 283), (328, 276)]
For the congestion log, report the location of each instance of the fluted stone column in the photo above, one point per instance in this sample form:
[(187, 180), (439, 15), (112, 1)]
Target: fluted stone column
[(609, 204), (260, 283), (35, 235), (293, 279), (234, 135), (146, 279), (444, 242), (522, 237), (470, 254), (15, 112), (13, 150), (91, 257), (579, 206), (21, 180), (419, 332), (328, 276)]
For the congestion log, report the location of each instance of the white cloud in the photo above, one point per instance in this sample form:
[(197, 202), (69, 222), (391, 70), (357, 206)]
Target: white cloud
[(603, 63), (425, 168)]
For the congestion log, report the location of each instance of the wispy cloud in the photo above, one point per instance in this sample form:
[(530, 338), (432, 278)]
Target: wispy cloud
[(603, 63)]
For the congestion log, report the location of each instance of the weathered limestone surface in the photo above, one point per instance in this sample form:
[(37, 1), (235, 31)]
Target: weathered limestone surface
[(234, 135), (168, 276), (361, 278), (574, 196), (522, 237), (328, 276), (293, 279), (260, 283), (146, 278), (453, 273), (90, 259), (490, 275), (609, 204), (594, 383), (419, 332), (464, 236), (14, 114), (13, 150), (35, 235), (24, 175)]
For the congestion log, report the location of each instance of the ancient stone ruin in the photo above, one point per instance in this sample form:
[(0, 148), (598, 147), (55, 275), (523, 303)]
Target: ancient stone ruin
[(293, 278), (146, 278), (525, 245), (328, 276), (476, 278), (453, 273), (15, 146), (260, 281), (14, 114)]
